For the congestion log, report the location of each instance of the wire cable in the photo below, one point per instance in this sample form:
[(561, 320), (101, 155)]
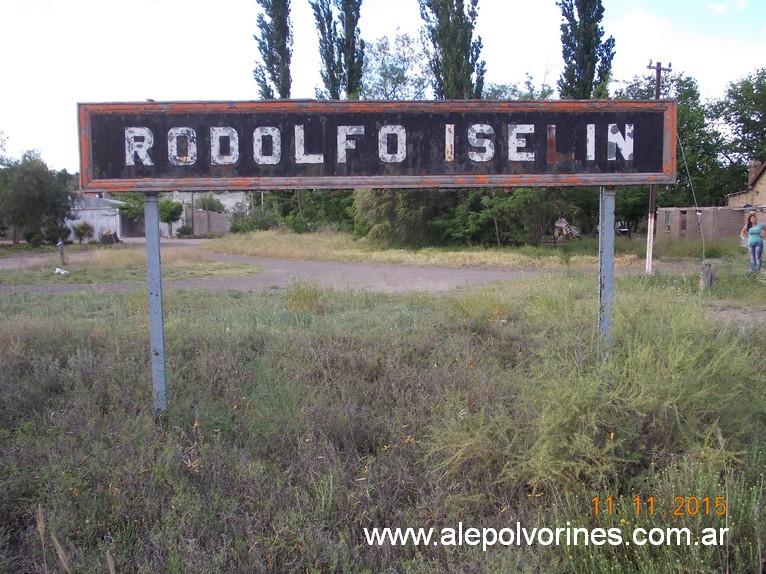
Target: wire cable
[(694, 195)]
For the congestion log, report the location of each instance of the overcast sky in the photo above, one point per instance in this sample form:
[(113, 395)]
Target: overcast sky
[(56, 53)]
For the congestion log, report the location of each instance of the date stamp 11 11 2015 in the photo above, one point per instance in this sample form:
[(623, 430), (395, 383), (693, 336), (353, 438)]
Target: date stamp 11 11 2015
[(680, 506)]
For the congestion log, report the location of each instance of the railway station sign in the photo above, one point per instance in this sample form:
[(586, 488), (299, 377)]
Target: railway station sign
[(289, 144)]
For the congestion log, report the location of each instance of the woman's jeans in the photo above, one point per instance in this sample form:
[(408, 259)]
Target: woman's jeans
[(756, 256)]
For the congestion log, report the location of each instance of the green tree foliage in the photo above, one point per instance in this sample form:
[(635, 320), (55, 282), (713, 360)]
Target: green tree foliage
[(351, 47), (170, 212), (3, 159), (515, 216), (528, 91), (341, 49), (587, 59), (83, 230), (209, 202), (704, 176), (399, 217), (305, 210), (275, 41), (34, 198), (454, 56), (132, 206), (743, 109), (330, 71), (394, 72)]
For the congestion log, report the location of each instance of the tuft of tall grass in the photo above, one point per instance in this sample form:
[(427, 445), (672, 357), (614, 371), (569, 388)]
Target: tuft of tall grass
[(337, 246)]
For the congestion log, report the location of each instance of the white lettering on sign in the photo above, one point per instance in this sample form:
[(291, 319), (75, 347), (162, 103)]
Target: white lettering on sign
[(276, 145), (384, 135), (300, 148), (345, 144), (138, 142), (517, 139), (449, 143), (217, 155), (615, 141), (188, 134), (392, 144), (486, 145)]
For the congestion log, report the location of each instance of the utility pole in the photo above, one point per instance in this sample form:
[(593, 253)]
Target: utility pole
[(652, 190)]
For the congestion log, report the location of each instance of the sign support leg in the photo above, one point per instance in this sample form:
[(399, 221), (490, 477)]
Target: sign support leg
[(154, 288), (606, 265)]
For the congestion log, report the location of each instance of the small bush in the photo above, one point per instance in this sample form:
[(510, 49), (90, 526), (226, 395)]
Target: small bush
[(245, 219), (209, 202), (83, 230), (184, 231), (33, 237)]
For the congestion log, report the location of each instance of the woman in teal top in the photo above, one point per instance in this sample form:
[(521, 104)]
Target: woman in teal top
[(754, 233)]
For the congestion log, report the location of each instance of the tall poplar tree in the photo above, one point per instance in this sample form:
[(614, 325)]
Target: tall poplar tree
[(275, 44), (351, 47), (454, 54), (587, 59), (341, 48)]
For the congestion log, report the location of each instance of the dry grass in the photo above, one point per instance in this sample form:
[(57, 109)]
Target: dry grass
[(125, 263), (298, 417), (336, 246)]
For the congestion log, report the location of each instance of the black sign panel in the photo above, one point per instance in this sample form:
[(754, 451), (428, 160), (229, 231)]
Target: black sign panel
[(321, 144)]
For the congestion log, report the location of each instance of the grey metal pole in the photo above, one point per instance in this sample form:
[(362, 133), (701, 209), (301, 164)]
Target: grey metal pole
[(154, 287), (606, 264)]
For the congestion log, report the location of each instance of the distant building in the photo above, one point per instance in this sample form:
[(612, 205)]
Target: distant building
[(716, 222), (755, 194), (692, 222), (101, 213)]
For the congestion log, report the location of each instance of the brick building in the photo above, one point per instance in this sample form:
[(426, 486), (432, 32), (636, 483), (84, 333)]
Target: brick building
[(755, 194), (716, 222), (691, 222)]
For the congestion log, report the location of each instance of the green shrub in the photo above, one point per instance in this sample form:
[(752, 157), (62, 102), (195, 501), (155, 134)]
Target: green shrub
[(84, 230), (184, 231), (209, 202), (256, 220), (33, 237)]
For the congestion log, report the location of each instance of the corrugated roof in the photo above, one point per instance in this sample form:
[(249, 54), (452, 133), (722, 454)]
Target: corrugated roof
[(89, 202)]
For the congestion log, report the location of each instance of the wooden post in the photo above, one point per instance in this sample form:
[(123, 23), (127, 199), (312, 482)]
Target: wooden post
[(708, 276)]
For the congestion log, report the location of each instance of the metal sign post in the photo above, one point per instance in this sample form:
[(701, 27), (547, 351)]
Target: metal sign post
[(606, 264), (154, 287)]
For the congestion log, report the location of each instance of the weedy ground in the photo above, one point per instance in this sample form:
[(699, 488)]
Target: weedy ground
[(298, 417)]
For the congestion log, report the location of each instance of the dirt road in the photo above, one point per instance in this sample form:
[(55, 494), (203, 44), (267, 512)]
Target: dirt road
[(277, 273)]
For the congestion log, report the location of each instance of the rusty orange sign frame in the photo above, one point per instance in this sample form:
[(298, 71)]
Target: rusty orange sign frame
[(103, 126)]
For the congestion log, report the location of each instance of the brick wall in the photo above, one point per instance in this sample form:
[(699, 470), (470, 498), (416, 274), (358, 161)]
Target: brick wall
[(207, 222), (683, 222)]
